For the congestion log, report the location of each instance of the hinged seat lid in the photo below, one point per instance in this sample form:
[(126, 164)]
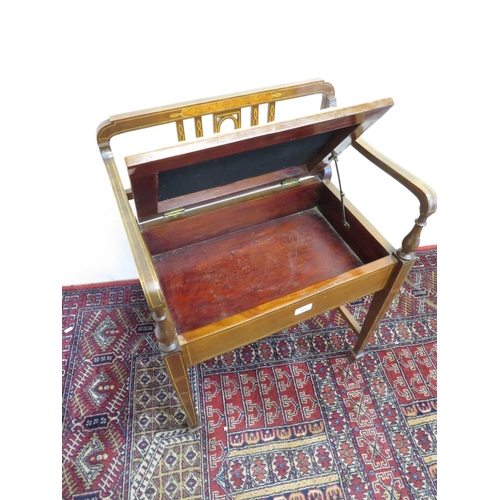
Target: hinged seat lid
[(223, 163)]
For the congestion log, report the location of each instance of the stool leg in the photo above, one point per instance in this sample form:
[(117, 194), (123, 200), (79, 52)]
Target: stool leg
[(180, 379), (380, 304)]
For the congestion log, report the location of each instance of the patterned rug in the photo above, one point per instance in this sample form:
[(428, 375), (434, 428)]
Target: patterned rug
[(286, 418)]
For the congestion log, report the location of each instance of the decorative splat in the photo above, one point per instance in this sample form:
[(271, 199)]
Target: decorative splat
[(233, 115)]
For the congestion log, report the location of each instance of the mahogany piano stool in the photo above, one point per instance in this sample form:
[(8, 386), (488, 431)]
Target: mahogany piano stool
[(241, 234)]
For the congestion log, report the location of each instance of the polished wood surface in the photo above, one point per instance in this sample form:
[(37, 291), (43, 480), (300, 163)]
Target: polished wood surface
[(230, 264), (244, 269)]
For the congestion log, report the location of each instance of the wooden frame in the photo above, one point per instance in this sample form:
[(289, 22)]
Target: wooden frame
[(184, 235)]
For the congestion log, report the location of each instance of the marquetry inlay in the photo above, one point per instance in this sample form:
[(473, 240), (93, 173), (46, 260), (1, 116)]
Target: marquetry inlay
[(180, 131), (234, 116)]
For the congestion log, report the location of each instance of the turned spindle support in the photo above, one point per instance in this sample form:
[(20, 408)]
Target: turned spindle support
[(412, 239)]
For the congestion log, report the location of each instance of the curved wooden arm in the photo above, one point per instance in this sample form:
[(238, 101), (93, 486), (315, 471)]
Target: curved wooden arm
[(166, 335), (425, 194)]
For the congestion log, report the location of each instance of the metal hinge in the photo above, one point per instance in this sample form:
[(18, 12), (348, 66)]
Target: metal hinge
[(291, 182), (174, 214)]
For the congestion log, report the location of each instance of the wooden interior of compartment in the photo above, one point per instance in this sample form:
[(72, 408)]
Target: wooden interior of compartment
[(367, 244), (363, 239), (178, 233), (220, 277)]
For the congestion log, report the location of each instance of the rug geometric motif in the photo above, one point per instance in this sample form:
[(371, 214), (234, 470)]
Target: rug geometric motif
[(286, 418)]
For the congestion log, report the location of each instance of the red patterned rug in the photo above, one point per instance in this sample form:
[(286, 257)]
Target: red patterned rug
[(287, 418)]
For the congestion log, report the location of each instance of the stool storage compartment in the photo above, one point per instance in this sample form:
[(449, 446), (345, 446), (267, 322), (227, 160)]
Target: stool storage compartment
[(241, 234)]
